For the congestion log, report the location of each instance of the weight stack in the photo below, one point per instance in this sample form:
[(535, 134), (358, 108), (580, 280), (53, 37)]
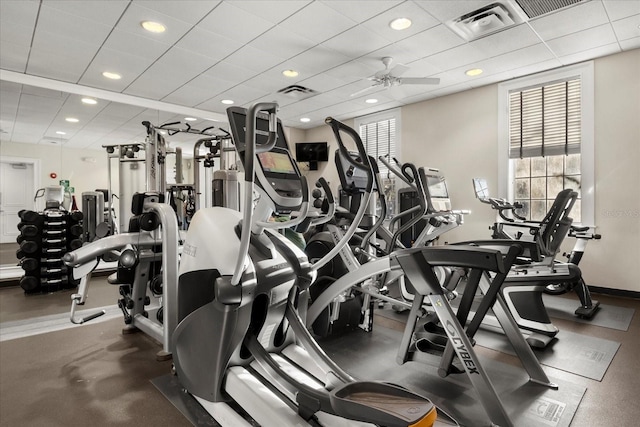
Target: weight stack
[(45, 237)]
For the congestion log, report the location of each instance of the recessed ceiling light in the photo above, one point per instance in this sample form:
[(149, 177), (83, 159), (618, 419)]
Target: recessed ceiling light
[(290, 73), (72, 120), (227, 101), (89, 101), (371, 101), (305, 120), (190, 119), (400, 23), (59, 132), (153, 27), (473, 72), (112, 76)]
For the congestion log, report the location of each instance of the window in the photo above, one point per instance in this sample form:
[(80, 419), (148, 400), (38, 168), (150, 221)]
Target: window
[(546, 140), (380, 136)]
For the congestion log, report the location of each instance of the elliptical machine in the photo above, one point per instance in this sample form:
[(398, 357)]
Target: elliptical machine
[(239, 336)]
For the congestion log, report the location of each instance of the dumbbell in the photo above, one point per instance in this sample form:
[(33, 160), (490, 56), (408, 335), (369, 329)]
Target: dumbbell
[(54, 251), (29, 216), (29, 264), (49, 271), (76, 230), (29, 246), (76, 216), (75, 244)]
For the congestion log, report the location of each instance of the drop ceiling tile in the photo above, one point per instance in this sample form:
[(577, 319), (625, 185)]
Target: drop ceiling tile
[(12, 32), (570, 20), (121, 111), (356, 41), (317, 60), (253, 59), (478, 81), (227, 71), (198, 90), (135, 44), (608, 49), (282, 43), (71, 46), (19, 12), (14, 57), (627, 28), (420, 19), (56, 21), (234, 23), (354, 70), (582, 40), (619, 9), (272, 11), (422, 68), (56, 65), (203, 42), (458, 56), (305, 22), (356, 11), (510, 39), (536, 67), (431, 41), (184, 10), (512, 60), (630, 44), (266, 83), (104, 12), (136, 13), (400, 54), (322, 82), (129, 66)]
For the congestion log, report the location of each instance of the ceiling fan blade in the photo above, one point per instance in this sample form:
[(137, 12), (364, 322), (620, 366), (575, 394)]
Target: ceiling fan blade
[(419, 81), (398, 70), (366, 89)]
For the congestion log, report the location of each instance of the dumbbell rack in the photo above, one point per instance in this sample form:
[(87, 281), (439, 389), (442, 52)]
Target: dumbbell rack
[(44, 239)]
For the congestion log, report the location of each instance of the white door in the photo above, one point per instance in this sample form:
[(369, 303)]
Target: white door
[(16, 193)]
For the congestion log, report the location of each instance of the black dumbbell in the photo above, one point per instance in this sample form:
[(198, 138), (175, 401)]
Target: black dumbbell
[(75, 244), (29, 283), (29, 216), (29, 246), (29, 264), (76, 230)]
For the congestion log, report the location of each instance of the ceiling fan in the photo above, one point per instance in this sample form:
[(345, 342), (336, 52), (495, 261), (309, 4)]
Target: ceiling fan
[(390, 77)]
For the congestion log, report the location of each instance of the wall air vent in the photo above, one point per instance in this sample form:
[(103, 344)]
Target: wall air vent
[(297, 92), (534, 8), (486, 20)]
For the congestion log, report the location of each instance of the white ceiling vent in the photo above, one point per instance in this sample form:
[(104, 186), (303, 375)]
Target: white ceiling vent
[(297, 92), (487, 20)]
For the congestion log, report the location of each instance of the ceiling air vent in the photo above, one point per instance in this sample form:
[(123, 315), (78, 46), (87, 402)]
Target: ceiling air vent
[(486, 20), (297, 92), (534, 8)]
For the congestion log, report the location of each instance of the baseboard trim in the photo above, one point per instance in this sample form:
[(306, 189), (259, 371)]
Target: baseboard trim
[(614, 292)]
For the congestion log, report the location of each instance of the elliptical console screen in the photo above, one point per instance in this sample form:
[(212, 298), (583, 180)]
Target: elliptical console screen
[(237, 121), (279, 163), (438, 193), (481, 188)]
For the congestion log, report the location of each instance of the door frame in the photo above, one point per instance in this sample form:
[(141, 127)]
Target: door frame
[(28, 160)]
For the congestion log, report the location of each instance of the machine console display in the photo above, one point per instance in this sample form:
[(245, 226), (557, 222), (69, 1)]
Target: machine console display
[(437, 191)]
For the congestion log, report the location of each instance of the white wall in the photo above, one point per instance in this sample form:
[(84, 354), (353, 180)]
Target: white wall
[(459, 134), (66, 163)]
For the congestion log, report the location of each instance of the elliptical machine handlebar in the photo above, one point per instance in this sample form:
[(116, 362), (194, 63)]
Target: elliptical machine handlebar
[(502, 206), (250, 151), (364, 165)]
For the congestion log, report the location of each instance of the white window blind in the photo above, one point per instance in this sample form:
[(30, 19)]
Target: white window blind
[(545, 120), (379, 139)]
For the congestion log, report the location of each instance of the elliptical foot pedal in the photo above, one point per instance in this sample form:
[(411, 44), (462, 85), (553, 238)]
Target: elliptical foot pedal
[(383, 404)]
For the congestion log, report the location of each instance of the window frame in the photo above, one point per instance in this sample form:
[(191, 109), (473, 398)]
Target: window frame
[(506, 181), (394, 113)]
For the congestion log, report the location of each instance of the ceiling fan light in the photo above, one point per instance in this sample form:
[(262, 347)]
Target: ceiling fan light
[(473, 72), (400, 24)]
